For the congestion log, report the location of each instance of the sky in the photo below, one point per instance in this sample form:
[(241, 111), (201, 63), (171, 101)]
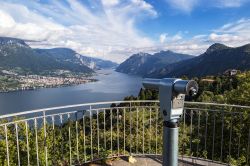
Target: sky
[(116, 29)]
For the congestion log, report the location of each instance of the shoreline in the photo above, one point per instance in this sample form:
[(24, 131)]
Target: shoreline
[(32, 88), (34, 82)]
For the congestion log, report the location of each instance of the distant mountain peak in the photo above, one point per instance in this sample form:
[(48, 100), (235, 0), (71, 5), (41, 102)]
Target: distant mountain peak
[(142, 54), (12, 41), (166, 51), (246, 48), (145, 63), (216, 47)]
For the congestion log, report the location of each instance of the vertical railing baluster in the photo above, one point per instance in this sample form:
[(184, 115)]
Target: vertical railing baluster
[(184, 130), (213, 136), (124, 133), (150, 128), (241, 119), (222, 136), (118, 147), (230, 135), (156, 131), (53, 130), (111, 132), (17, 144), (198, 134), (191, 132), (98, 135), (143, 133), (104, 129), (7, 145), (130, 129), (77, 140), (137, 130), (37, 152), (84, 138), (61, 134), (91, 132), (45, 139), (206, 131), (248, 147), (27, 142), (69, 141)]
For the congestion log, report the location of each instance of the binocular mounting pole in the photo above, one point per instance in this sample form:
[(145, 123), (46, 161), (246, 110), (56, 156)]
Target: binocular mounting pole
[(172, 94)]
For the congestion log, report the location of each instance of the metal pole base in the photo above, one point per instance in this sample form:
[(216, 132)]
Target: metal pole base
[(170, 144)]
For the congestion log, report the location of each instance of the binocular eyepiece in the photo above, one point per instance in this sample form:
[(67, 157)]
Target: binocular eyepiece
[(187, 87)]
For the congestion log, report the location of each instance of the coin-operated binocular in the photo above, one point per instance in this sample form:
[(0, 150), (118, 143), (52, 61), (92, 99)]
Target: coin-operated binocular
[(172, 95)]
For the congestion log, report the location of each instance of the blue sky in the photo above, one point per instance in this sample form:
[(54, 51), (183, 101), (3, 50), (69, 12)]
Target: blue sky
[(115, 29)]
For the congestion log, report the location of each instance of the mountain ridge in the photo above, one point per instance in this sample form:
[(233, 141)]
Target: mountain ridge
[(10, 40), (144, 63), (15, 54), (69, 55), (212, 62)]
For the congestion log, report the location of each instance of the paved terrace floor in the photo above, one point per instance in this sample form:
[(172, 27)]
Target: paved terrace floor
[(155, 161)]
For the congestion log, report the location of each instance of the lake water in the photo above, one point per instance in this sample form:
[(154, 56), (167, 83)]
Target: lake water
[(111, 86)]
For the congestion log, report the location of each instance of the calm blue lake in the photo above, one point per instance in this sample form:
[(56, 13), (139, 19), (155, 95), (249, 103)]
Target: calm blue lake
[(111, 86)]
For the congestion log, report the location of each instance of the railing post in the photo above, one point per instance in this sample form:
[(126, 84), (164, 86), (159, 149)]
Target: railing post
[(172, 94), (7, 144), (45, 138)]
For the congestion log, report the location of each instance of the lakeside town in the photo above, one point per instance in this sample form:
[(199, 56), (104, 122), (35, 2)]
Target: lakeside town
[(13, 82)]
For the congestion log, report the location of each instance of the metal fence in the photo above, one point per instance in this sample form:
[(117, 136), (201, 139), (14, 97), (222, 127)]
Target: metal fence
[(77, 134)]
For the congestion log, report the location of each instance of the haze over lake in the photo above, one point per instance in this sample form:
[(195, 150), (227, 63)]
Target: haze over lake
[(111, 86)]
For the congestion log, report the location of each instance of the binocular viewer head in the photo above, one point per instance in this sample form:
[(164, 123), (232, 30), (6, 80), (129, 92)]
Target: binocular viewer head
[(172, 94), (186, 87)]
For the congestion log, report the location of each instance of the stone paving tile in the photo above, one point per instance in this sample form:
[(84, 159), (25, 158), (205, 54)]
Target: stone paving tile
[(156, 161)]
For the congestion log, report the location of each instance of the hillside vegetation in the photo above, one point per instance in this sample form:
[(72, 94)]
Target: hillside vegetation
[(145, 136)]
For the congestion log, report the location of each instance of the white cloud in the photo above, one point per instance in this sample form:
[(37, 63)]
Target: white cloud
[(233, 34), (187, 6), (229, 3), (241, 26), (224, 38), (110, 2), (107, 33), (183, 5), (177, 37), (162, 37), (6, 20), (141, 4), (165, 38)]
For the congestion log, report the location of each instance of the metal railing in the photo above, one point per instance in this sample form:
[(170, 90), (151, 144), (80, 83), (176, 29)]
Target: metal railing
[(77, 134)]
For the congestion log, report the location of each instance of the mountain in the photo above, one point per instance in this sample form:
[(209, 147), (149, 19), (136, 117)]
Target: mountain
[(16, 55), (66, 55), (103, 64), (216, 60), (145, 64)]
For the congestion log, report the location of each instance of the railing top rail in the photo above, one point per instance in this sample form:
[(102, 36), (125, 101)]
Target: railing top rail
[(111, 102), (216, 104), (75, 106)]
